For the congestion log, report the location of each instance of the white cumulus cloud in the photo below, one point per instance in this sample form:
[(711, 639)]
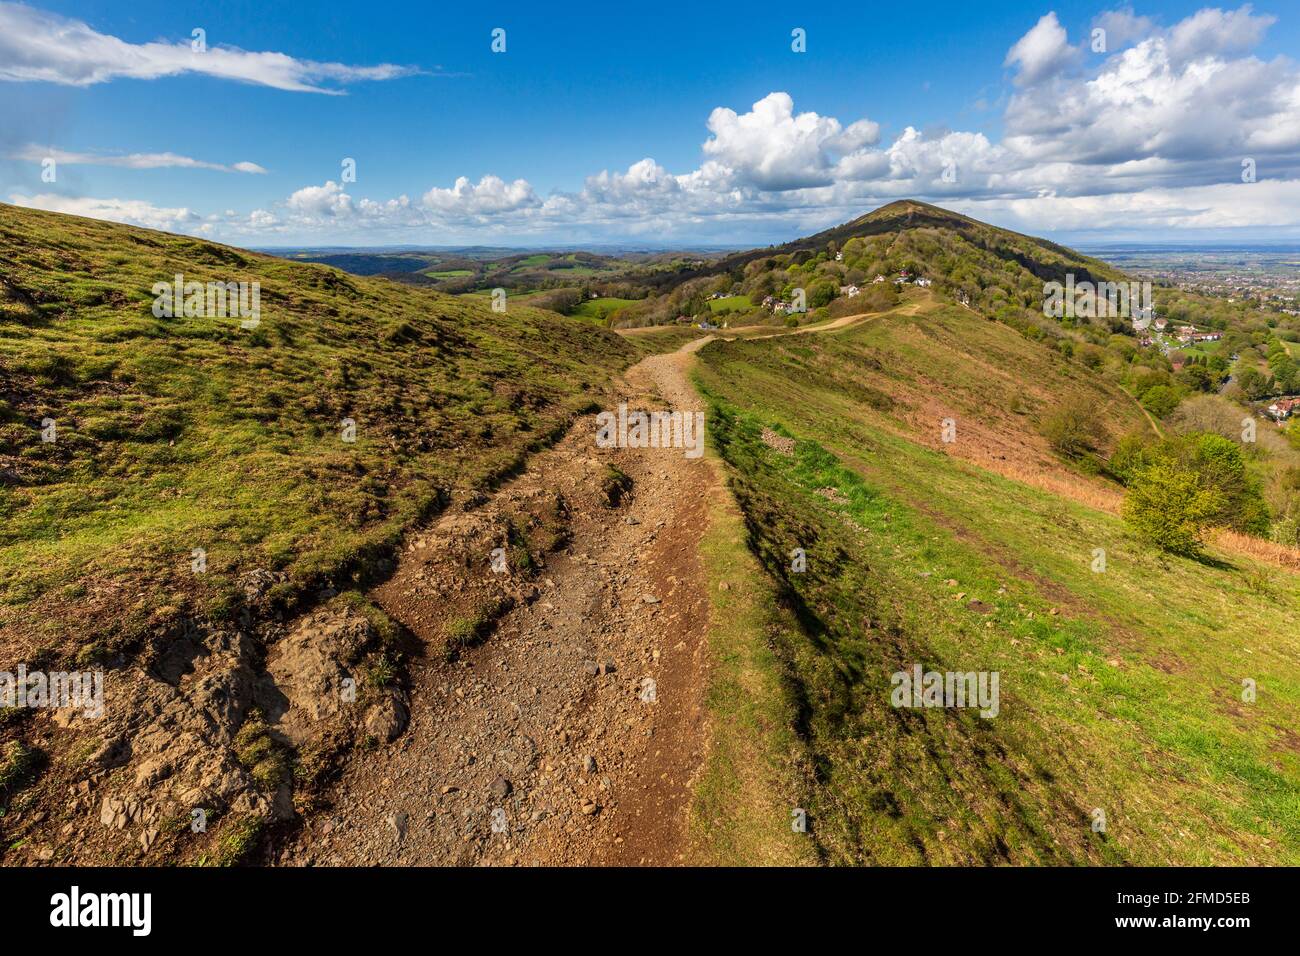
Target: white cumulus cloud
[(1042, 52), (773, 148), (489, 195)]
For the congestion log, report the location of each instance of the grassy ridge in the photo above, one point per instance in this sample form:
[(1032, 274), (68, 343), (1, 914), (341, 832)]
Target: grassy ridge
[(1121, 690), (185, 433), (757, 772)]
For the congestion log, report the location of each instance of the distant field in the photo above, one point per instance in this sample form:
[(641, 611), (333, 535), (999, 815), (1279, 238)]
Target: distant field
[(450, 274), (599, 309), (1204, 349), (732, 303)]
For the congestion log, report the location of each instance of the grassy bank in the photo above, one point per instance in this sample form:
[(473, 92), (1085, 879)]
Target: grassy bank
[(187, 434), (1121, 690), (757, 771)]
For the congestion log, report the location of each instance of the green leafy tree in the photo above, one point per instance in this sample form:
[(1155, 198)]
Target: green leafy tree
[(1221, 466), (1160, 400), (1253, 383), (821, 294), (1218, 465), (1169, 507), (1198, 378)]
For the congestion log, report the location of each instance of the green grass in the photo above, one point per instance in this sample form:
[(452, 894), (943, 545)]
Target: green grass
[(238, 841), (192, 433), (466, 630), (260, 755), (600, 309), (18, 765), (1120, 690), (1202, 349), (732, 303), (757, 771)]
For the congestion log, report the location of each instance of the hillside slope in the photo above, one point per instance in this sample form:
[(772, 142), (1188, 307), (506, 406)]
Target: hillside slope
[(174, 490), (181, 433), (857, 266), (1046, 259), (250, 528), (1124, 733)]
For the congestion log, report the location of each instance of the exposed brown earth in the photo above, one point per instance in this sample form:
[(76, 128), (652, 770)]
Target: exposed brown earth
[(546, 742)]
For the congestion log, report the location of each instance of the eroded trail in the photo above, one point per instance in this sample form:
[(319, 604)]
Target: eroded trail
[(547, 744)]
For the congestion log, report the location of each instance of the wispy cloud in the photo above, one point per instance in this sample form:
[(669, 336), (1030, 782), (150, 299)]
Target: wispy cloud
[(37, 154), (36, 46)]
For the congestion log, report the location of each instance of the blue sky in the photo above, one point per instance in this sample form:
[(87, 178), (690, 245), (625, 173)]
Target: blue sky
[(627, 93)]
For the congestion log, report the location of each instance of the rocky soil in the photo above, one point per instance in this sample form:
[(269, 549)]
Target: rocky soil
[(570, 732), (549, 710)]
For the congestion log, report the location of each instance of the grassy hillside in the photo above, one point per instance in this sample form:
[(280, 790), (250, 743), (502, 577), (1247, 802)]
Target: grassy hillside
[(193, 433), (1121, 690), (1000, 272)]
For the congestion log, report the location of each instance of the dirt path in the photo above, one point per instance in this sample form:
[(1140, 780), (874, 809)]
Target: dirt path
[(545, 744), (843, 322), (572, 734), (1155, 427)]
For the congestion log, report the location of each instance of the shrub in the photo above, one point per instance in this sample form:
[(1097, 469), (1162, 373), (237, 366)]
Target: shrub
[(1160, 400), (1217, 464), (1221, 466), (1073, 430), (1090, 355), (1287, 532), (1129, 457), (1169, 507)]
